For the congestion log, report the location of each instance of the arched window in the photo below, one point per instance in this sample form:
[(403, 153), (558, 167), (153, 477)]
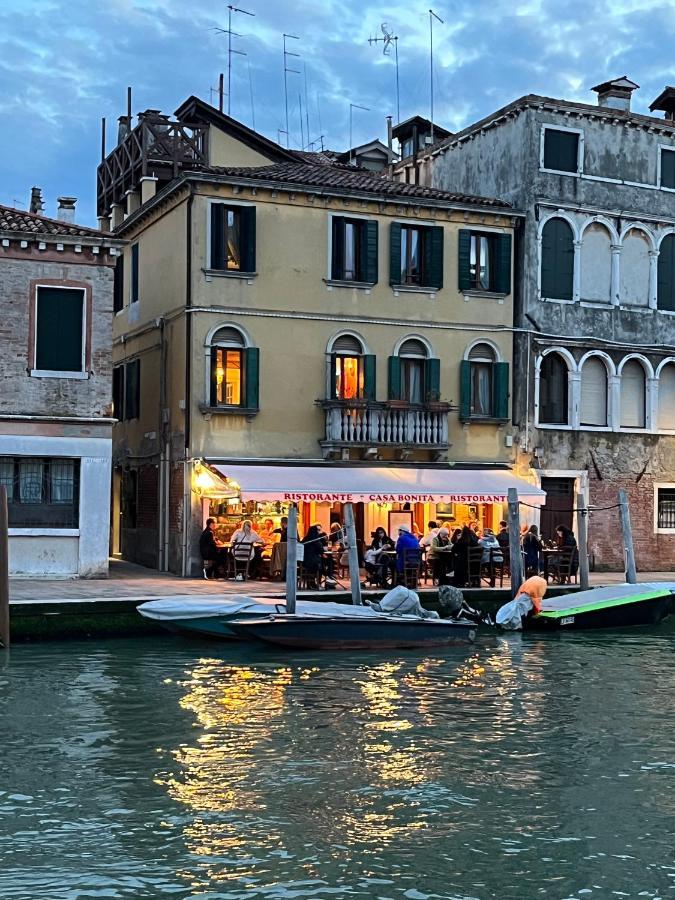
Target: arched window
[(234, 370), (667, 398), (593, 393), (633, 395), (634, 289), (484, 385), (557, 260), (553, 391), (412, 362), (351, 369), (596, 264), (666, 281), (482, 359)]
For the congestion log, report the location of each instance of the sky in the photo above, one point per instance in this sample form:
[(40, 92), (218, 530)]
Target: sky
[(64, 64)]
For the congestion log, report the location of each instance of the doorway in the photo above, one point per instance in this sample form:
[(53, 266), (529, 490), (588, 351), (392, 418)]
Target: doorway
[(559, 508)]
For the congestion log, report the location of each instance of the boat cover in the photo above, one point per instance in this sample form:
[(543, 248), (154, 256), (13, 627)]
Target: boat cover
[(171, 609), (603, 597)]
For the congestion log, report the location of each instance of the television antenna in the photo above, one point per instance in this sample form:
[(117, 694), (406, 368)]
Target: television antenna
[(352, 107), (432, 16), (388, 38), (230, 34), (287, 54)]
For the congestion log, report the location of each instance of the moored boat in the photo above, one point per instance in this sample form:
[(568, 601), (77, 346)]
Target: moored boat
[(615, 606)]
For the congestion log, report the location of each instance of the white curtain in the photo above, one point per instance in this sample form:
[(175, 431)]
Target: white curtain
[(30, 481)]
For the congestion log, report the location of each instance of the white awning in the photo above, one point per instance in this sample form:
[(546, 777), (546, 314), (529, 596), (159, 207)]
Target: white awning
[(357, 484)]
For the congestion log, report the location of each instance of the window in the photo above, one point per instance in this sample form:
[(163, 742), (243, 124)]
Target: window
[(557, 260), (667, 398), (413, 376), (635, 264), (118, 284), (596, 264), (561, 150), (665, 291), (407, 148), (633, 394), (665, 508), (553, 391), (354, 250), (133, 287), (352, 371), (593, 410), (416, 255), (41, 493), (484, 385), (234, 370), (667, 168), (484, 262), (59, 330), (232, 238)]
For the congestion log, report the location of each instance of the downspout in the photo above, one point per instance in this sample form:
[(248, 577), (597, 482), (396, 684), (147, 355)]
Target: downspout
[(164, 458), (187, 489)]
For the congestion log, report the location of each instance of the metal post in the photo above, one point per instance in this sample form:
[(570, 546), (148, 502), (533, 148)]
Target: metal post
[(4, 569), (432, 16), (398, 95), (292, 559), (229, 59), (221, 91), (582, 529), (353, 551), (516, 560), (624, 511)]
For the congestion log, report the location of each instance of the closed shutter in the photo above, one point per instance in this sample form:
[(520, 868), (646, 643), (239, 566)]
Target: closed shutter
[(347, 345), (59, 327), (503, 264), (557, 260), (369, 387), (132, 392), (553, 391), (252, 377), (395, 253), (633, 395), (464, 260), (668, 168), (118, 285), (501, 390), (432, 379), (433, 256), (247, 238), (394, 391), (666, 274), (338, 248), (369, 252), (667, 398), (134, 274), (217, 236), (561, 150), (213, 386), (118, 392), (465, 390), (593, 393)]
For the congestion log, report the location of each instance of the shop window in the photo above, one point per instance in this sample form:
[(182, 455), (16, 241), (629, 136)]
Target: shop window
[(416, 255), (484, 262), (667, 398), (593, 410), (352, 371), (234, 371), (557, 260), (484, 385), (118, 284), (561, 150), (633, 395), (133, 286), (666, 274), (59, 330), (354, 250), (413, 376), (41, 493), (553, 391), (232, 238)]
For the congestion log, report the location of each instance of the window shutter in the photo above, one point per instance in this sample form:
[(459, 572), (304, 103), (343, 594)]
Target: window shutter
[(593, 393), (395, 253), (132, 391), (369, 252), (118, 392), (369, 387), (666, 274), (432, 379), (557, 260), (338, 248), (248, 238), (465, 390), (252, 377), (561, 150), (217, 236), (501, 390), (214, 377), (464, 260), (503, 263), (667, 398), (633, 395), (394, 378), (134, 274), (118, 285), (433, 256), (668, 168), (58, 345)]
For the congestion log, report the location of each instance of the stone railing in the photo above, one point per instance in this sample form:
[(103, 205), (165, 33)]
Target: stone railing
[(380, 424)]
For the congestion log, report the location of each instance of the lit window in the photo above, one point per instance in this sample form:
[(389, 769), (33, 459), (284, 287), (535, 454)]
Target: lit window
[(348, 377), (228, 377)]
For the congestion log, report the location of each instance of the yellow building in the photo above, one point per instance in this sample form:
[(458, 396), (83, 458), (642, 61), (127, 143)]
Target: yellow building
[(290, 329)]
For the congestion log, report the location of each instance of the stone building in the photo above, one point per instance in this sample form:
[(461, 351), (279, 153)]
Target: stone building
[(56, 289), (594, 350)]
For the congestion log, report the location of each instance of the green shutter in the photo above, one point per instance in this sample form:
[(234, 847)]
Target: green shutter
[(433, 256), (465, 390), (58, 332), (394, 378), (668, 168), (248, 238), (118, 285), (337, 272), (557, 260), (501, 390), (369, 252), (134, 274), (665, 289), (432, 379), (118, 392), (213, 377), (395, 253), (503, 263), (464, 260), (132, 390), (217, 236), (561, 150), (252, 377), (369, 387)]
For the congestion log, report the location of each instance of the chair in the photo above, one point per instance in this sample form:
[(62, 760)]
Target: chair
[(566, 563), (278, 561), (497, 567), (308, 580), (241, 559), (412, 562), (474, 563)]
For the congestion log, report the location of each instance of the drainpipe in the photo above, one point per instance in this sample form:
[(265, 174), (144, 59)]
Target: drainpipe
[(164, 457), (187, 469)]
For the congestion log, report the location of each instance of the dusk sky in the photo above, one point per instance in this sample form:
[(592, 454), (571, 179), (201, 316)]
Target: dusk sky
[(66, 63)]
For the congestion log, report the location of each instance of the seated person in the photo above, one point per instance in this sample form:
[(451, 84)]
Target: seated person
[(267, 535), (378, 564), (211, 549), (503, 535), (440, 556), (318, 561), (492, 551), (430, 535), (407, 548), (532, 547), (336, 538), (244, 542)]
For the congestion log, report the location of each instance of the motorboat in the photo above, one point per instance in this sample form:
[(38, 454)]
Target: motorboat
[(615, 606)]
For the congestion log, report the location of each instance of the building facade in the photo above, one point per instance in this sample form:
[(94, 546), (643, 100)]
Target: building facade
[(289, 329), (594, 350), (56, 283)]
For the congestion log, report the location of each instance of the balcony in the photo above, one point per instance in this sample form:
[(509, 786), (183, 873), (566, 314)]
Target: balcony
[(369, 426)]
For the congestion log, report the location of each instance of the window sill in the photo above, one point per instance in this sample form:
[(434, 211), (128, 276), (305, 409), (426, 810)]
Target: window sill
[(596, 304), (666, 312), (209, 411), (476, 294), (556, 300), (634, 308), (576, 174), (357, 285), (484, 420), (229, 273), (48, 373), (552, 426), (17, 531), (413, 289)]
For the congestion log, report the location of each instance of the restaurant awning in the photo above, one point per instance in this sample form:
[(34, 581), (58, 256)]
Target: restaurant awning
[(375, 484)]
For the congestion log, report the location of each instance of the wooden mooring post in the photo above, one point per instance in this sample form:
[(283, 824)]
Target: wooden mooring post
[(515, 557), (4, 569), (353, 553), (582, 531), (627, 534), (292, 559)]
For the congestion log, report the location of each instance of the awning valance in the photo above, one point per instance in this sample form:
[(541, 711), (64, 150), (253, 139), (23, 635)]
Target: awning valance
[(374, 484)]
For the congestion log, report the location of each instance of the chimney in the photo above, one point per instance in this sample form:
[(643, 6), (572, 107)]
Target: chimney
[(36, 204), (66, 209), (389, 137), (616, 94), (665, 102)]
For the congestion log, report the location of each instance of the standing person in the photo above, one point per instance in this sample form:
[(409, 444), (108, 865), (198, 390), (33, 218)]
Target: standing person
[(503, 535), (532, 547), (430, 535), (440, 555), (406, 545), (211, 549), (466, 540)]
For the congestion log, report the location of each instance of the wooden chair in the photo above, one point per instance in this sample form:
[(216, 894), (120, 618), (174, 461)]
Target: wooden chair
[(474, 564), (241, 560), (497, 568), (566, 563), (412, 561)]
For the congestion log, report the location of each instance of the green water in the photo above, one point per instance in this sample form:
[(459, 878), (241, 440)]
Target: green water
[(515, 768)]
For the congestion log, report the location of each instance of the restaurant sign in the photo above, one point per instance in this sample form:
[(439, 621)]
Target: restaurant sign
[(392, 498)]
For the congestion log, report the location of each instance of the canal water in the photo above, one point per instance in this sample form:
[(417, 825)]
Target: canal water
[(519, 767)]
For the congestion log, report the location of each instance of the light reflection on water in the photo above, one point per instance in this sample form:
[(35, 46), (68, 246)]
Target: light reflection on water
[(515, 767)]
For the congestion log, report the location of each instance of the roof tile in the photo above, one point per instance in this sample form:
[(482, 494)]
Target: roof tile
[(21, 222)]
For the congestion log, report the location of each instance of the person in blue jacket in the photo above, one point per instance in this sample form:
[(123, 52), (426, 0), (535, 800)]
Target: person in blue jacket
[(406, 541)]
